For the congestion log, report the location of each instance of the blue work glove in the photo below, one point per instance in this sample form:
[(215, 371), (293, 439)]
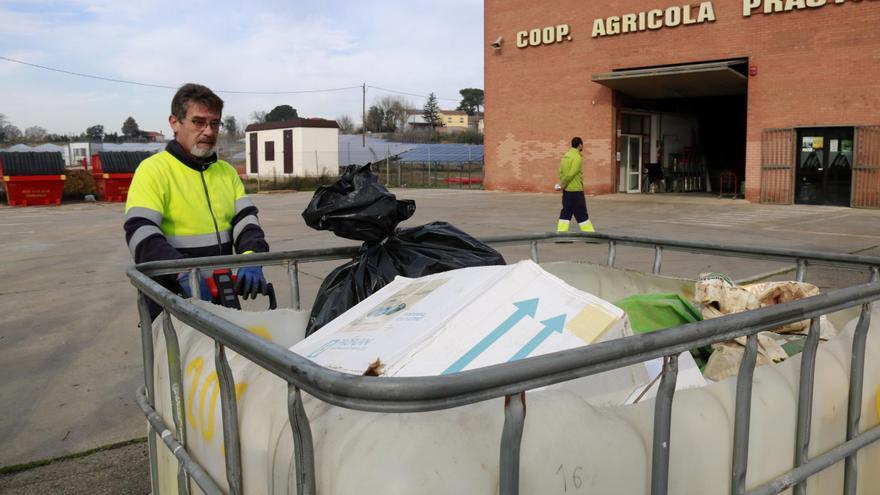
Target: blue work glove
[(205, 292), (250, 282)]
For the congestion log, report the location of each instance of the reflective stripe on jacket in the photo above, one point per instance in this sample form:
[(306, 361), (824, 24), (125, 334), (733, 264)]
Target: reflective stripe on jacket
[(179, 207)]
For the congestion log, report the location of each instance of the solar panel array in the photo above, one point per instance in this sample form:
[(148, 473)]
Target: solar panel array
[(443, 153), (352, 151)]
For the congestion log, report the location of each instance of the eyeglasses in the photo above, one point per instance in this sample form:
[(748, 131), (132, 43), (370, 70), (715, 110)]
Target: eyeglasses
[(200, 124)]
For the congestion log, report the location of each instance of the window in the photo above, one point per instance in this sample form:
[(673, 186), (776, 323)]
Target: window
[(461, 119), (270, 150)]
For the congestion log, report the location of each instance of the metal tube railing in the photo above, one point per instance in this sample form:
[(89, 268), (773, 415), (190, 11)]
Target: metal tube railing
[(805, 401), (229, 416), (742, 416), (154, 268), (658, 259), (612, 252), (663, 427), (293, 279), (854, 404), (824, 461), (303, 448), (801, 273), (150, 394), (510, 379), (511, 441), (438, 392), (195, 470), (178, 408)]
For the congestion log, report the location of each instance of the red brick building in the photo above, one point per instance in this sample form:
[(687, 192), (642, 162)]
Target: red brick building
[(783, 95)]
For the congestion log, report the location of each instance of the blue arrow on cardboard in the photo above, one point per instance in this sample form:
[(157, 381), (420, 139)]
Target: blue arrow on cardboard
[(524, 308), (555, 324)]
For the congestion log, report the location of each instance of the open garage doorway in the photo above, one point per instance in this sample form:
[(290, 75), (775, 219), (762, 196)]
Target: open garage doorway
[(680, 128)]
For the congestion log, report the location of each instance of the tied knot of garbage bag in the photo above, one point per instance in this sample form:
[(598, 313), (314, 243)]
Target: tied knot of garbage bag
[(357, 207)]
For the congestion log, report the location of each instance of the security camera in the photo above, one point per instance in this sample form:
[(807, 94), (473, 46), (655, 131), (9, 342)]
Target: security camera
[(497, 43)]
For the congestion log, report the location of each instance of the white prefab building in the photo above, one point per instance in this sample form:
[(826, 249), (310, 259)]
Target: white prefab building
[(292, 148)]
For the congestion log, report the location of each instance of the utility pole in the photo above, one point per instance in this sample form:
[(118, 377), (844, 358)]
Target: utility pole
[(364, 117)]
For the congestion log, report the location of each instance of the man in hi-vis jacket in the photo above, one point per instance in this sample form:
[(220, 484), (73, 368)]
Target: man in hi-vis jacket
[(184, 202), (571, 181)]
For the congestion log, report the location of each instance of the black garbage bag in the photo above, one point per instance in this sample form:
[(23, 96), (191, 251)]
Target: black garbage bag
[(358, 207)]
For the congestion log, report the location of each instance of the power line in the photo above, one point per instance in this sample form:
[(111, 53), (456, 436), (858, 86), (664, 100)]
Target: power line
[(229, 91), (150, 85), (84, 75), (408, 94)]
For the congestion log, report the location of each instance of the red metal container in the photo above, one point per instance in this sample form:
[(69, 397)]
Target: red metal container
[(113, 187), (110, 187), (29, 190)]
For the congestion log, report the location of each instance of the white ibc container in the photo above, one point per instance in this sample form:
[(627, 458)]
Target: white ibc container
[(568, 444)]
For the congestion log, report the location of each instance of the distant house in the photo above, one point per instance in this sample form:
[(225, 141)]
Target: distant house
[(293, 148), (85, 150), (80, 152), (415, 121), (454, 120), (153, 137)]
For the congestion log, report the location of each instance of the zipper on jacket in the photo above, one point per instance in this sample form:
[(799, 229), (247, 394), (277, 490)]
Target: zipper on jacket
[(211, 209)]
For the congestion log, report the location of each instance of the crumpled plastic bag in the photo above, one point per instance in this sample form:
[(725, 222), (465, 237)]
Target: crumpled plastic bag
[(770, 293), (358, 207), (716, 295)]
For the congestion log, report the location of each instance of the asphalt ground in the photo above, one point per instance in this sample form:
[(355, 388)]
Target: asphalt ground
[(70, 353)]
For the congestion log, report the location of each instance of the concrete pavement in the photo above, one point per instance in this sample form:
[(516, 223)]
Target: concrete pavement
[(69, 344)]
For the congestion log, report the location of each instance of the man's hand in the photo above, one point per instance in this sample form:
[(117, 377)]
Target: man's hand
[(204, 292), (250, 282)]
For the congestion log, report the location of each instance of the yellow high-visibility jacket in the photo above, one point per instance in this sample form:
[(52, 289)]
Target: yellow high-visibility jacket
[(571, 175), (180, 207)]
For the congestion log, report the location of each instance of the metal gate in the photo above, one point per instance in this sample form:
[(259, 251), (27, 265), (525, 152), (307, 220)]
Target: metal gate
[(777, 166), (866, 168)]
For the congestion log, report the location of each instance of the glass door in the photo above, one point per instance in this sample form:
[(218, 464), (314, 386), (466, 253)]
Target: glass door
[(824, 168), (631, 162)]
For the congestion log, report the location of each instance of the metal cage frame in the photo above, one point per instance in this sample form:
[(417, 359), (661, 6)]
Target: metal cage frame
[(509, 380)]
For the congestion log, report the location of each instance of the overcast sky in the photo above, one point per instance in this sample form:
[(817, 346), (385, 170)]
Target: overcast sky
[(258, 46)]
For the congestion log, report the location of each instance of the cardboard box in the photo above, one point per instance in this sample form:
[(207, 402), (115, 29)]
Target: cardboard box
[(462, 320)]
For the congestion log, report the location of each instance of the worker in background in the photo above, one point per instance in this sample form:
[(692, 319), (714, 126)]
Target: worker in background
[(185, 203), (571, 183)]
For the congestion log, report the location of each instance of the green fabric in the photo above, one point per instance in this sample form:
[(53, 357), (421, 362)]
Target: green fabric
[(571, 175), (794, 347), (650, 312)]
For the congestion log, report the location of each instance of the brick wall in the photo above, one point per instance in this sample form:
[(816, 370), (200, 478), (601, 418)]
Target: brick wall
[(816, 67)]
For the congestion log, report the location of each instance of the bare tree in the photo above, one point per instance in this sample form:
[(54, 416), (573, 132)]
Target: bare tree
[(346, 125), (394, 112), (258, 117), (376, 119), (35, 133), (230, 126)]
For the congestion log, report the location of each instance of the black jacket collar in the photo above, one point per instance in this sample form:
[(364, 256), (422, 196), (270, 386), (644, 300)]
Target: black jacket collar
[(193, 162)]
